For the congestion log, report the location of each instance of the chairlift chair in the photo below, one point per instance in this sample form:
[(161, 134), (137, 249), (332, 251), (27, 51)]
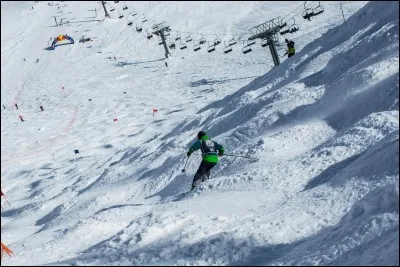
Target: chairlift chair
[(202, 40), (308, 12), (217, 41), (246, 49), (177, 38), (227, 48), (130, 23), (211, 47), (196, 47), (160, 42), (172, 45), (138, 28), (183, 46), (264, 42), (134, 13), (318, 9), (294, 27), (121, 16), (125, 7), (188, 38), (112, 9), (149, 35), (144, 19), (232, 41)]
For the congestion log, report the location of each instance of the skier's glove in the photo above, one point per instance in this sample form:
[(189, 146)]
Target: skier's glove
[(189, 153)]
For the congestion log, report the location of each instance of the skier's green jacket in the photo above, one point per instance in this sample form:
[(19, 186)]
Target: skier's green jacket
[(208, 148)]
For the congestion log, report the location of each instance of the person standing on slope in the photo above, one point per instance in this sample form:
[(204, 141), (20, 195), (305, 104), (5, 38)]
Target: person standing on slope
[(210, 151), (290, 51)]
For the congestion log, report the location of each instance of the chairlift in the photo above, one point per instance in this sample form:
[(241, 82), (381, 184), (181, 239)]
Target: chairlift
[(183, 46), (246, 49), (149, 35), (308, 12), (112, 9), (188, 38), (133, 13), (264, 42), (318, 9), (172, 45), (217, 41), (160, 42), (281, 25), (144, 19), (138, 28), (177, 38), (196, 47), (202, 40), (232, 41), (227, 48), (285, 30), (210, 48), (130, 23), (125, 7), (121, 16)]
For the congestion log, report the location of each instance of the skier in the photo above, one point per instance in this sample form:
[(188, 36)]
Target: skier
[(210, 155), (290, 51)]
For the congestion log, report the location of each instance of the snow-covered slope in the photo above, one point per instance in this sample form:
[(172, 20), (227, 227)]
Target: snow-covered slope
[(324, 125)]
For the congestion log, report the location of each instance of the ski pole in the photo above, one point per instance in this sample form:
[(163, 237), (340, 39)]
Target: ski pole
[(187, 159), (229, 155)]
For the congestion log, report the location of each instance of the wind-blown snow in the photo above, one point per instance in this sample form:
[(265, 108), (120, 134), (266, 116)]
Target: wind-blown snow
[(324, 125)]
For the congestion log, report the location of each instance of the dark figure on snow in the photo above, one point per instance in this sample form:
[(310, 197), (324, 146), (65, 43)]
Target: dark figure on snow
[(210, 151), (16, 105), (290, 51), (41, 108), (166, 65)]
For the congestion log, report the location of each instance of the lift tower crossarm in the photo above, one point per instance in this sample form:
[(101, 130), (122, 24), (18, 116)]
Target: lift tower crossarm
[(266, 31)]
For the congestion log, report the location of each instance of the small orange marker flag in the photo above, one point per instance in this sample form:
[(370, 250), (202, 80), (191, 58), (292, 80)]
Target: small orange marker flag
[(5, 249)]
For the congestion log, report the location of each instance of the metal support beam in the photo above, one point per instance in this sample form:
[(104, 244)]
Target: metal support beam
[(105, 9), (159, 29), (266, 31), (274, 54)]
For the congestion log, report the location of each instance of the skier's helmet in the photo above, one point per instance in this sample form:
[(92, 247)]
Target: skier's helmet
[(201, 134)]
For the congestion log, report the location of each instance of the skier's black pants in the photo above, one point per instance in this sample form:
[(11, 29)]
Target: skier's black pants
[(290, 54), (203, 173)]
